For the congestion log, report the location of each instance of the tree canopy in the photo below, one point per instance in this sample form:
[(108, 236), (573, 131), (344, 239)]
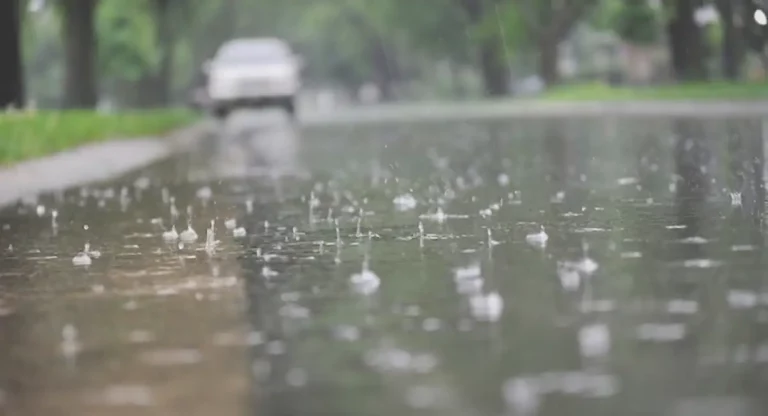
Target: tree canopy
[(149, 52)]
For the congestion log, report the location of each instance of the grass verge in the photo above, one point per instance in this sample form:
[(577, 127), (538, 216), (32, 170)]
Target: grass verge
[(29, 135), (700, 91)]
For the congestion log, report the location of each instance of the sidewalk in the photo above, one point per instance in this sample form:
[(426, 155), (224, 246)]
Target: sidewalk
[(90, 163)]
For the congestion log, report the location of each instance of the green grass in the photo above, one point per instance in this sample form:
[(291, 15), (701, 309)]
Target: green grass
[(702, 91), (30, 135)]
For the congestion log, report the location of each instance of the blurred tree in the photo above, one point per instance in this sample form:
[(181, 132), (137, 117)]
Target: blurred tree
[(548, 23), (147, 47), (490, 49), (43, 55), (348, 42), (128, 52), (755, 34), (733, 46), (127, 49), (636, 22), (686, 40), (377, 43), (165, 33), (11, 81), (169, 17), (80, 84)]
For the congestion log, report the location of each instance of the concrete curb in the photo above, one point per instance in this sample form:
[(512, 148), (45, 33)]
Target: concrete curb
[(94, 162), (531, 109)]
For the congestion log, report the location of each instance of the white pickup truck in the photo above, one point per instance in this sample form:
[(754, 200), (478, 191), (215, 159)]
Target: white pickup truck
[(253, 73)]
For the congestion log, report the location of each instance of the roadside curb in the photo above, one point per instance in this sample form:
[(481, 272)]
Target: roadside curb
[(531, 110), (95, 162)]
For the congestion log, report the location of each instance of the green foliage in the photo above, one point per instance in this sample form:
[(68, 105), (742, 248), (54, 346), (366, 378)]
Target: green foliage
[(28, 135), (127, 40), (693, 91), (43, 56), (326, 32), (637, 22), (342, 41), (604, 16), (505, 22)]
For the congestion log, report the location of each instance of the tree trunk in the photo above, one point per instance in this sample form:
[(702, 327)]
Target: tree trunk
[(457, 85), (80, 84), (493, 68), (686, 43), (384, 65), (548, 62), (11, 80), (165, 42), (733, 49), (550, 22)]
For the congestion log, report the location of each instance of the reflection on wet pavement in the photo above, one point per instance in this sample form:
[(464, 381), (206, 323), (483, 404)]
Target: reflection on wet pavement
[(528, 268)]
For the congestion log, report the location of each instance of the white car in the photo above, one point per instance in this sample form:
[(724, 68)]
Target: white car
[(253, 72)]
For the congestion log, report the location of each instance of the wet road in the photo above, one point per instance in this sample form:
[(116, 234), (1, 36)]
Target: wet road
[(401, 269)]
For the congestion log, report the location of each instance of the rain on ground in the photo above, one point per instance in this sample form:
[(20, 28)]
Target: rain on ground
[(582, 266)]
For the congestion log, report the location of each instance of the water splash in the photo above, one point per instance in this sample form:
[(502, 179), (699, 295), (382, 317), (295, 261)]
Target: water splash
[(366, 282), (338, 232), (437, 216), (55, 222), (569, 276), (189, 235), (70, 344), (594, 340), (205, 193), (405, 202), (487, 307), (171, 236), (239, 232), (586, 265), (91, 253), (421, 234), (358, 232), (173, 210), (522, 396), (165, 195), (83, 258), (312, 203), (210, 239), (736, 199), (468, 279), (539, 239), (491, 241)]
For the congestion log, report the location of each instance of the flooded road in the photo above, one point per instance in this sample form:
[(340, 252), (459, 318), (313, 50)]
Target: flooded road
[(528, 267)]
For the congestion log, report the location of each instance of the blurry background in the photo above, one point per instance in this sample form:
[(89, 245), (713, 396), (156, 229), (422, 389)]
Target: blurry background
[(148, 53)]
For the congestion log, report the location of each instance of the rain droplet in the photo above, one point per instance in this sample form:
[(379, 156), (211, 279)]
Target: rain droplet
[(594, 340)]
